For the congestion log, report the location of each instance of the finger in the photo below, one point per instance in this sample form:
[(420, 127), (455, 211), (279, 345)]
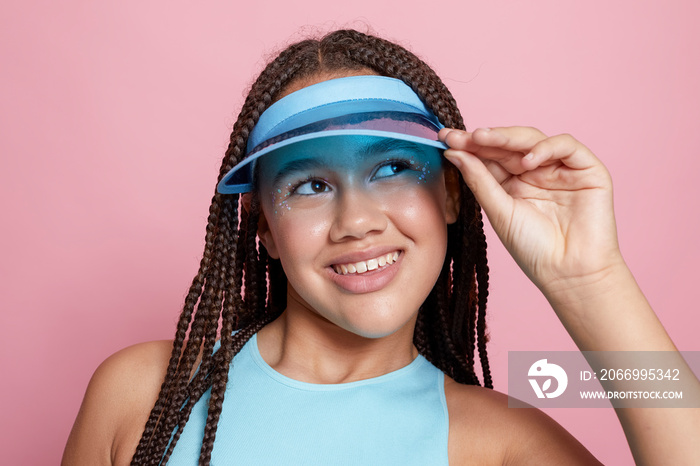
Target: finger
[(513, 138), (456, 138), (500, 172), (509, 160), (497, 204), (562, 148)]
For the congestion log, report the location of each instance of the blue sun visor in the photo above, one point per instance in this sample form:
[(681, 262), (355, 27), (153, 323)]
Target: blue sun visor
[(345, 107)]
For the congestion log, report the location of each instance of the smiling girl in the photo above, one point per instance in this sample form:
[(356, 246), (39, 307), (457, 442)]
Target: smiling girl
[(340, 302)]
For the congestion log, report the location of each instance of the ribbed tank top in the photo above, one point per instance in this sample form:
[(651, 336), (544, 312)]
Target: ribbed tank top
[(399, 418)]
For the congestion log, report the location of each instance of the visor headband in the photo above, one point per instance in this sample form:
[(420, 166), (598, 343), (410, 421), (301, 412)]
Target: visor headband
[(383, 122)]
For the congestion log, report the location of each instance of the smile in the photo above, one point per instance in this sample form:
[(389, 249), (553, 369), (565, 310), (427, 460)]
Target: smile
[(368, 265)]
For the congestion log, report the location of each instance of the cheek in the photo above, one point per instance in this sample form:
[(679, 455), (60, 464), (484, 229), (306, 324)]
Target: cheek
[(423, 206), (298, 234), (280, 200), (426, 174)]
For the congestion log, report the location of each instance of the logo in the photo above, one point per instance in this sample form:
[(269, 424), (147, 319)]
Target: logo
[(546, 371)]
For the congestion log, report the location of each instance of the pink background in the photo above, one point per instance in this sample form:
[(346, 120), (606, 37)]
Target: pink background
[(114, 117)]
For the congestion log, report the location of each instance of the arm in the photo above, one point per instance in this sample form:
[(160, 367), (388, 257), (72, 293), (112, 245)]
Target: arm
[(549, 199)]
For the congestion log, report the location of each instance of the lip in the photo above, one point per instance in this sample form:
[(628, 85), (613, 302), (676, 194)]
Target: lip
[(367, 282), (364, 255)]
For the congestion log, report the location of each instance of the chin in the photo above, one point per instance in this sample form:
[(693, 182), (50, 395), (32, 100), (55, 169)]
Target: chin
[(377, 326)]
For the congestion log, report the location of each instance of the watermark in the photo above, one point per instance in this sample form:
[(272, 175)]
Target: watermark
[(547, 372), (600, 379)]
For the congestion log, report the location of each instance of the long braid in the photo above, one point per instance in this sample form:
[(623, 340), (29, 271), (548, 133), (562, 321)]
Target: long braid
[(219, 377), (178, 368), (200, 383), (239, 284), (203, 331), (171, 381), (482, 275)]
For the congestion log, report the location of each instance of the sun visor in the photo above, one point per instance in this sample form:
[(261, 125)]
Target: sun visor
[(357, 106)]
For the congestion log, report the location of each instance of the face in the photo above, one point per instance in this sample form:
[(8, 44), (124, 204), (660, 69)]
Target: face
[(360, 226)]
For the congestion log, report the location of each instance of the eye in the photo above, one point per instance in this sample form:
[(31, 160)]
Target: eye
[(311, 187), (391, 168)]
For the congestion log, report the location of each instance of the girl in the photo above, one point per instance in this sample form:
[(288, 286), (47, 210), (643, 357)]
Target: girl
[(340, 302)]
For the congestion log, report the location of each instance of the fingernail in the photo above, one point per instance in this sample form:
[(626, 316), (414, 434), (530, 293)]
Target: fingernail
[(530, 156)]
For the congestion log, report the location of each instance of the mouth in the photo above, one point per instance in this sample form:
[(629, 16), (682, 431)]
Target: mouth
[(360, 267)]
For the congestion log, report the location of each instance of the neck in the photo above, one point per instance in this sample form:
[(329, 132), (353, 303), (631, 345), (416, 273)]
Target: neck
[(306, 347)]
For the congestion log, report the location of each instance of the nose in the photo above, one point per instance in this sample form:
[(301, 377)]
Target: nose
[(357, 216)]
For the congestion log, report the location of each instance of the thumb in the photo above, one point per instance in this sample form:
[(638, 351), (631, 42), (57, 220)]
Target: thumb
[(497, 204)]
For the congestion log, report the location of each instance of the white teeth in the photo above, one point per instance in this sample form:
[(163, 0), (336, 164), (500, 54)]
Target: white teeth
[(364, 266)]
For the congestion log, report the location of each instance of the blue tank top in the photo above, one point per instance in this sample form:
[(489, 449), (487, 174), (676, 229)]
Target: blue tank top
[(399, 418)]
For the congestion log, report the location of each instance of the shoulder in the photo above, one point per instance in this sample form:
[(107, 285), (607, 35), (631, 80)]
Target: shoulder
[(484, 430), (117, 404)]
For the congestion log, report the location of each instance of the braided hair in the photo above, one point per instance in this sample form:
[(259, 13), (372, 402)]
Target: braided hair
[(450, 329)]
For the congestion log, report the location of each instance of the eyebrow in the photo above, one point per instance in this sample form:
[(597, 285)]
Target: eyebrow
[(390, 145), (296, 166)]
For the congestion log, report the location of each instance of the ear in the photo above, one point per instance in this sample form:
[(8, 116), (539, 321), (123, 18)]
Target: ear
[(264, 233), (245, 200), (453, 197)]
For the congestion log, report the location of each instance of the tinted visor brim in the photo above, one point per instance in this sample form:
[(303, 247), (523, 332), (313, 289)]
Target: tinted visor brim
[(411, 127)]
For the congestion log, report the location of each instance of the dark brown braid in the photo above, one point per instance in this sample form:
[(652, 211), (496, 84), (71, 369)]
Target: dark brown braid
[(451, 324)]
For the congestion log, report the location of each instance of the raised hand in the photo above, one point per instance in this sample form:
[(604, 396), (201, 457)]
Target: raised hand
[(549, 199)]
